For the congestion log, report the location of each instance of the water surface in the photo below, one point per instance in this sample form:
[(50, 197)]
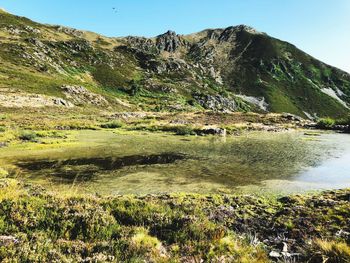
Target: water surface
[(108, 163)]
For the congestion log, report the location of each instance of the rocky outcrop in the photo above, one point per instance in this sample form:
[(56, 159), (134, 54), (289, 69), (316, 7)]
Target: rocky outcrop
[(169, 42), (161, 66), (216, 103), (80, 95), (70, 31), (230, 34), (141, 43), (18, 30)]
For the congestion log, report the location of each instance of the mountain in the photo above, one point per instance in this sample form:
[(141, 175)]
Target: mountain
[(231, 69)]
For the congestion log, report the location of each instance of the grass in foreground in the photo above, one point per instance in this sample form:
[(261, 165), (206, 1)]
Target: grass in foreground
[(36, 226)]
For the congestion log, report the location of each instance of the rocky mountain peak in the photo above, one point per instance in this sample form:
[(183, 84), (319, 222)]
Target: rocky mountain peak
[(246, 28), (230, 33), (169, 33), (169, 41)]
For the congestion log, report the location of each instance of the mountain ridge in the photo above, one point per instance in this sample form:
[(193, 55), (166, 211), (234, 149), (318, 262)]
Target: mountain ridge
[(231, 69)]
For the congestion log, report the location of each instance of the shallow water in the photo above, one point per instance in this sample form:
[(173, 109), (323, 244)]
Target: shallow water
[(108, 163)]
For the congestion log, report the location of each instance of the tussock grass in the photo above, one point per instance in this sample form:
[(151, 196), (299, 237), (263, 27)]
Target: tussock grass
[(330, 251), (112, 125)]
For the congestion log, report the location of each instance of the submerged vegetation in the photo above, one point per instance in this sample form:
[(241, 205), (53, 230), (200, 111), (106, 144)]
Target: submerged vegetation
[(36, 226)]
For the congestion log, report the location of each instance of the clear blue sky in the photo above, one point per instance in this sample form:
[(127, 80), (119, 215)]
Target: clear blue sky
[(319, 27)]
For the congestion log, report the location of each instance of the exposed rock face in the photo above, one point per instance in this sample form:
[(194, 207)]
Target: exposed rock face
[(216, 102), (336, 94), (70, 31), (169, 42), (80, 95), (13, 30), (166, 66), (32, 30), (141, 43), (16, 30), (259, 102), (230, 34), (77, 46)]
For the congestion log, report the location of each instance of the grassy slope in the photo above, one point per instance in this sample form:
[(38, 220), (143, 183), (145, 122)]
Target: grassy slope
[(282, 73), (266, 67), (215, 228)]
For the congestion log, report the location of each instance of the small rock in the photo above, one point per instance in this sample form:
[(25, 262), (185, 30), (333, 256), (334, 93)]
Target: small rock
[(285, 247), (275, 254), (213, 131), (62, 102)]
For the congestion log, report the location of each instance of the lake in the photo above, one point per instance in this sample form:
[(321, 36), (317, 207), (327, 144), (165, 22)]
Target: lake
[(105, 162)]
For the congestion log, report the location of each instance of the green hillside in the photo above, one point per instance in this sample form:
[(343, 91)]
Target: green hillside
[(228, 70)]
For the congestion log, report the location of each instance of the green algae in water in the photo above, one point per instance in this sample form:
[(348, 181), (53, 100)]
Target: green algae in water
[(108, 163)]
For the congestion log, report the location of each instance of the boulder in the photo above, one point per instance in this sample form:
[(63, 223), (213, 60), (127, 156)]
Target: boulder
[(212, 131)]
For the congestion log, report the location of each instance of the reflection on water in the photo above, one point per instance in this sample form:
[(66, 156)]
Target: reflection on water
[(151, 163), (83, 169)]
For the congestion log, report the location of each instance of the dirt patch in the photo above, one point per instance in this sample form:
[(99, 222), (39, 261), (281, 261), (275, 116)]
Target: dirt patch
[(12, 98)]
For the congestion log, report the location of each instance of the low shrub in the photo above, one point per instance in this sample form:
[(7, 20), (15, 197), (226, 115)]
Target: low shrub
[(28, 136), (180, 130), (185, 130), (143, 242), (326, 123), (3, 173), (344, 121), (112, 125), (50, 134)]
